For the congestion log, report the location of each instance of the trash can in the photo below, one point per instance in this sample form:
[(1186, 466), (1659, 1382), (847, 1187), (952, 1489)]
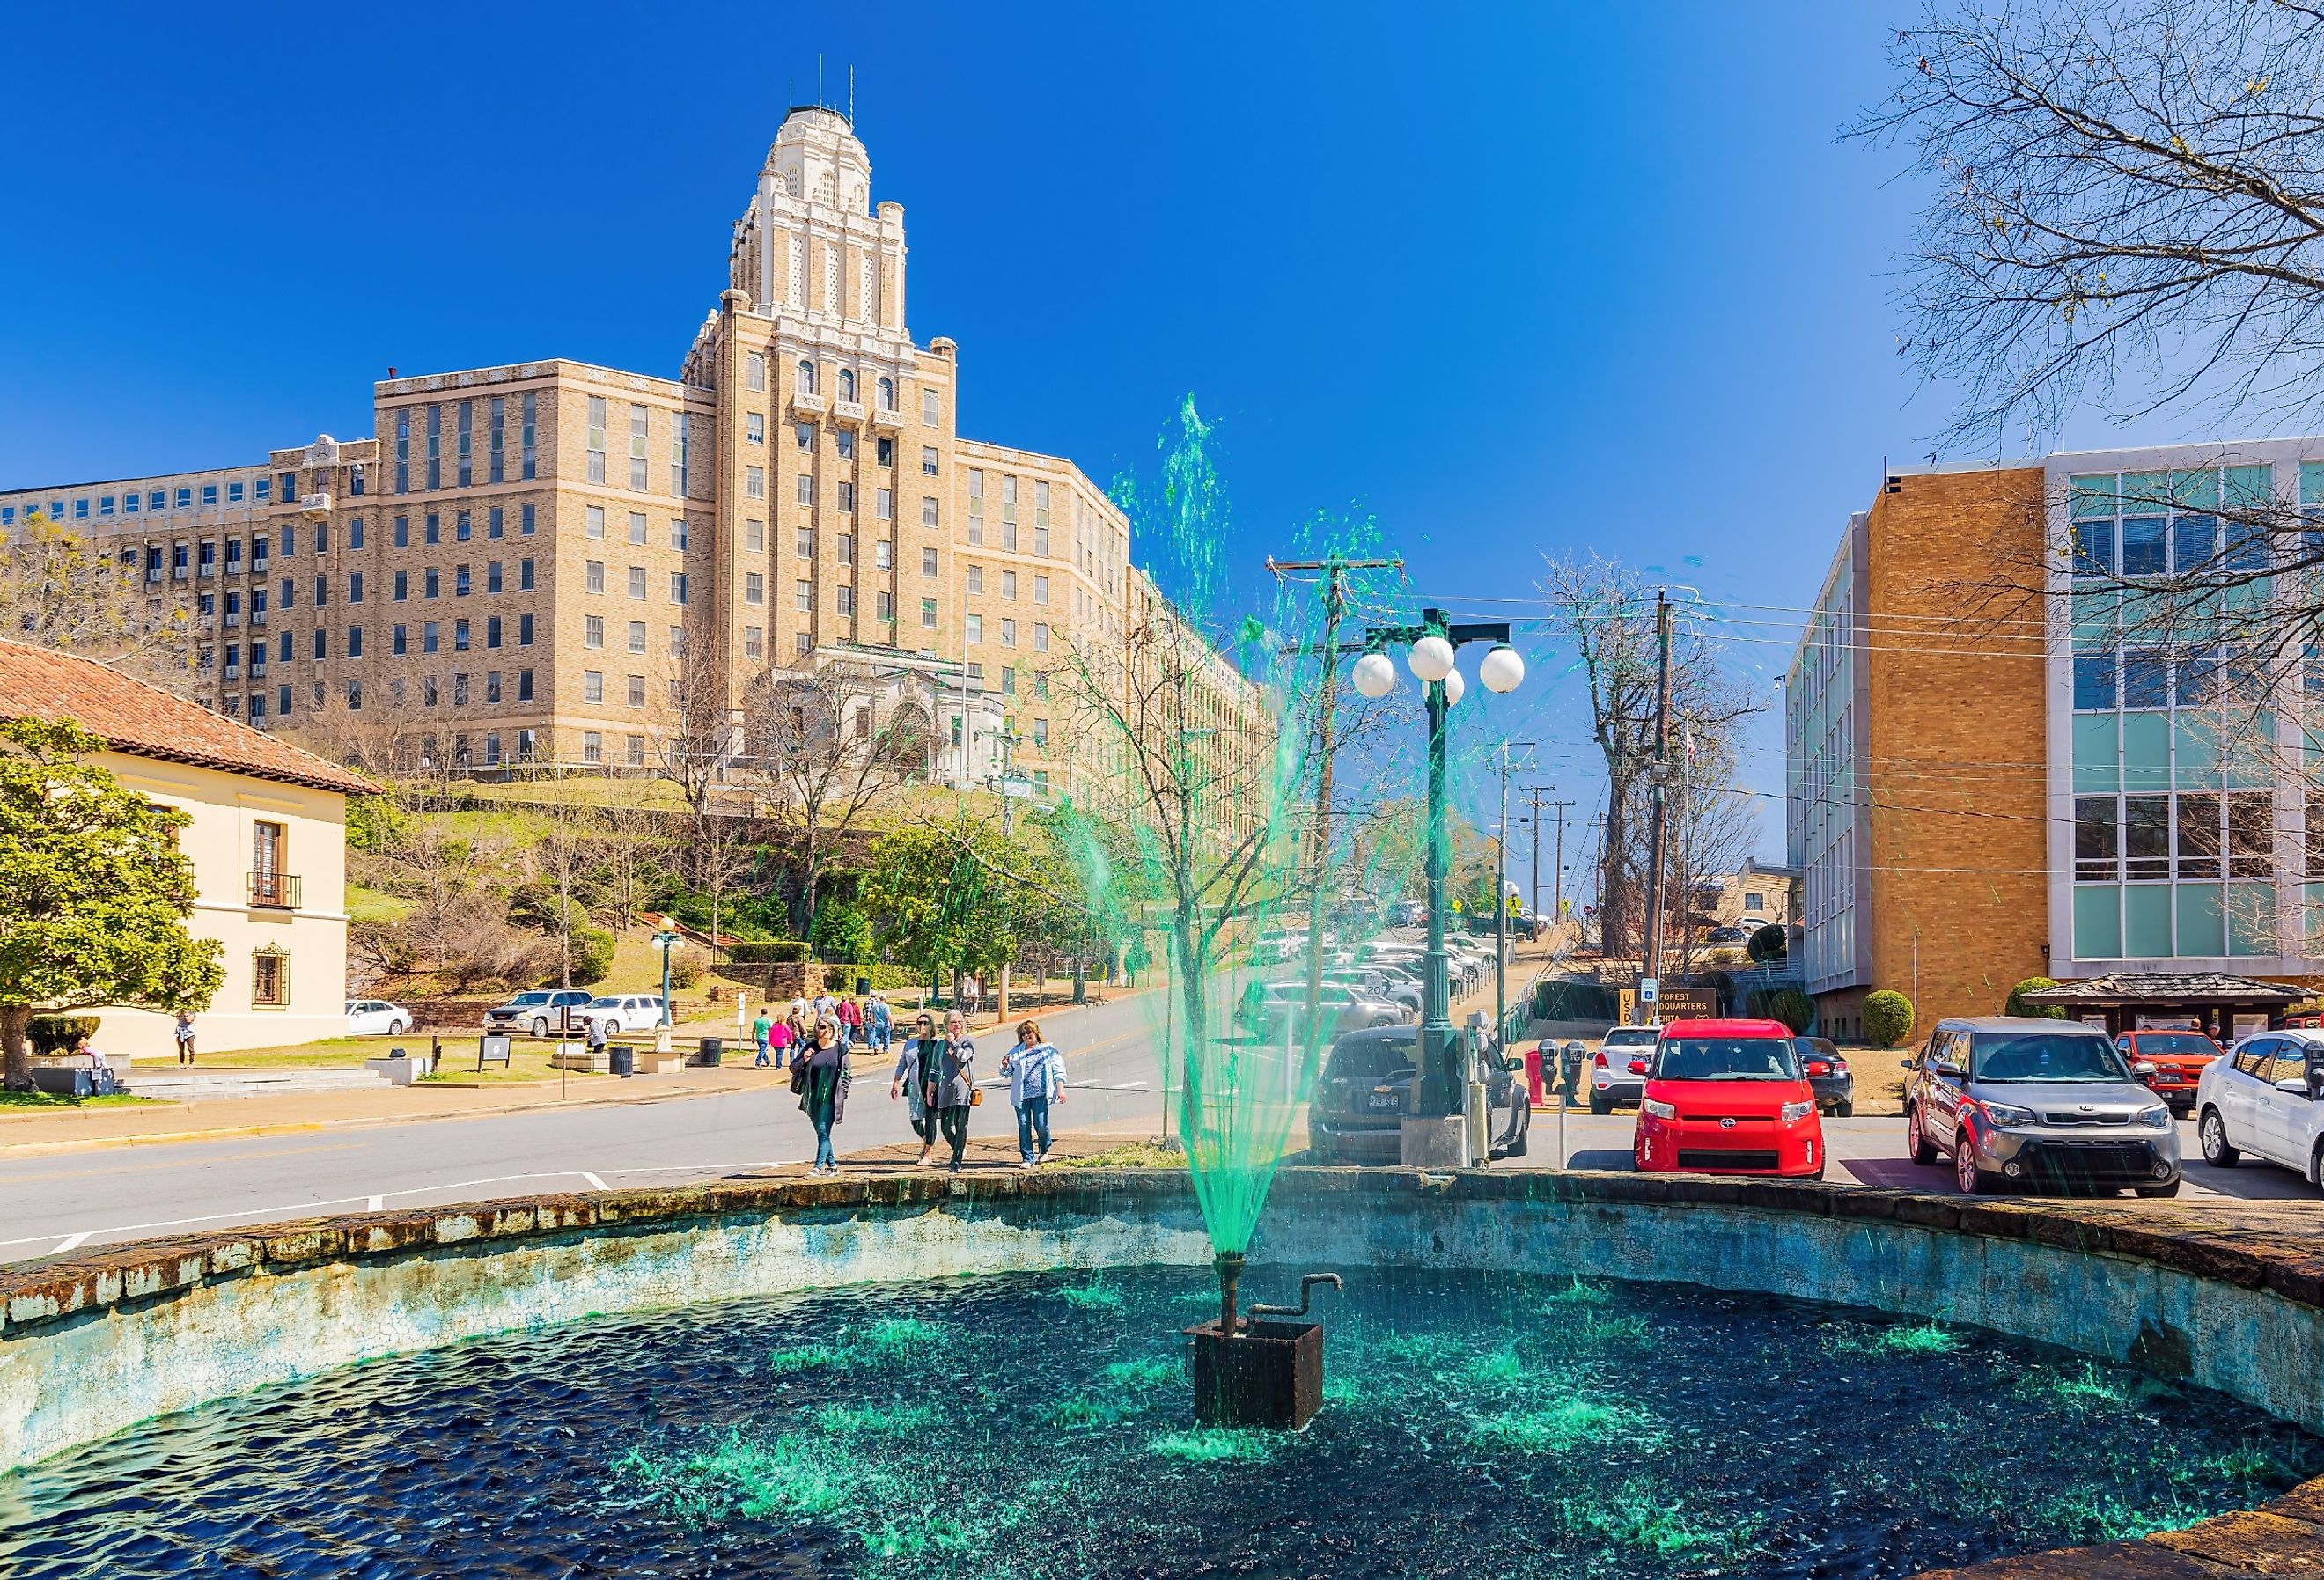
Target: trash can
[(709, 1051), (620, 1060), (1534, 1093), (862, 987)]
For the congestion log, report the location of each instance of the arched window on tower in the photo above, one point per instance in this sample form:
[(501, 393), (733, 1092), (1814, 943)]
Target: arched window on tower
[(887, 394), (847, 383), (806, 376)]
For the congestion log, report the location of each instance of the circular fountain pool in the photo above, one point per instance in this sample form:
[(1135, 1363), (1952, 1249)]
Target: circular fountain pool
[(1039, 1425)]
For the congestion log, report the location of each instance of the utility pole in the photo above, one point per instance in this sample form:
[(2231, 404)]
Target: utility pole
[(1654, 950), (1335, 568), (1008, 831), (1533, 794), (1501, 900)]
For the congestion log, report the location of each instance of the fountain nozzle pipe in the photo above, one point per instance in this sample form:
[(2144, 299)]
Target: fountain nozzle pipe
[(1230, 1266), (1306, 1284)]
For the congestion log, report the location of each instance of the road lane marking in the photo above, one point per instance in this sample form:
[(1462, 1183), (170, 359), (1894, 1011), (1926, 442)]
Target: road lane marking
[(376, 1202), (595, 1183), (9, 1175), (72, 1242)]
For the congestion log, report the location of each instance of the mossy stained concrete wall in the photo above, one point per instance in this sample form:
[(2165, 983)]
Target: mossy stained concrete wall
[(93, 1345)]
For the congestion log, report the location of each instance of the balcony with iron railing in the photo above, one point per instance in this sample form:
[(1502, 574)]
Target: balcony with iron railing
[(274, 890)]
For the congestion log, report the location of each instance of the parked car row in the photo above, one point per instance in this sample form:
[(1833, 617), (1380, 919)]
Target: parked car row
[(546, 1012)]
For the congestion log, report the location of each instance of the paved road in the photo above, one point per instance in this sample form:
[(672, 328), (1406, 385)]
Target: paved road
[(59, 1203)]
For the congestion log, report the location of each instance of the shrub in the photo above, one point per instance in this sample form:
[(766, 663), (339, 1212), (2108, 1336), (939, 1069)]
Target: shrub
[(771, 952), (1792, 1007), (1772, 942), (685, 969), (591, 954), (840, 932), (55, 1034), (2016, 1004), (1887, 1017)]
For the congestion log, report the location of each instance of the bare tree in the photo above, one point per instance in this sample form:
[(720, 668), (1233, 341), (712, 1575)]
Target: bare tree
[(60, 590), (638, 852), (693, 747), (825, 747), (2126, 204), (1607, 612), (378, 740)]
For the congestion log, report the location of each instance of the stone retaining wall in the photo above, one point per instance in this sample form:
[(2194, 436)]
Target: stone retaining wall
[(92, 1345)]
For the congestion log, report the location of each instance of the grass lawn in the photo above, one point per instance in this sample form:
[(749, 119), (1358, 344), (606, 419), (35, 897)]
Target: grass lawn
[(11, 1102), (528, 1057)]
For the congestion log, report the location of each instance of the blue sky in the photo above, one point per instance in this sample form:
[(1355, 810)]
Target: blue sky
[(1520, 279)]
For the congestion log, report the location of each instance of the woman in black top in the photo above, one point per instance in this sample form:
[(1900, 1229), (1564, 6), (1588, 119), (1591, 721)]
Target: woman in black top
[(826, 1091)]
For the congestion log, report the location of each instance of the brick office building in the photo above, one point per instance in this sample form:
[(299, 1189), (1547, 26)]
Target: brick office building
[(1999, 766), (539, 561)]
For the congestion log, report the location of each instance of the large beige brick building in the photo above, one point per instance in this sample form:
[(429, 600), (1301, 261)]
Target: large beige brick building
[(543, 561)]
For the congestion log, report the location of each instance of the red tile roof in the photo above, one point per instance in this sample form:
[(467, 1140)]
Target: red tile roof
[(133, 716)]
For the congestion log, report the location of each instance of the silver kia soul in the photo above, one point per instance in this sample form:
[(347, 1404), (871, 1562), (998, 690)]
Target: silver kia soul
[(2037, 1103)]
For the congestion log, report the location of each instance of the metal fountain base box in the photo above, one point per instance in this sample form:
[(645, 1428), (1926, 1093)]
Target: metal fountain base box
[(1270, 1374)]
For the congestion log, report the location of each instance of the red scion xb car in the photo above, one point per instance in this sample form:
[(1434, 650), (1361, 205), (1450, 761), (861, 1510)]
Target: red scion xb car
[(1729, 1097)]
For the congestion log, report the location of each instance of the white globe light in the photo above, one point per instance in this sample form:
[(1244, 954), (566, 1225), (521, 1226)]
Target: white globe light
[(1502, 670), (1432, 657), (1375, 676), (1453, 686)]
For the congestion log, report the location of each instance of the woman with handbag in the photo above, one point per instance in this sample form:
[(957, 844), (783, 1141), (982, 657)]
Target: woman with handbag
[(951, 1080), (821, 1080), (909, 1085)]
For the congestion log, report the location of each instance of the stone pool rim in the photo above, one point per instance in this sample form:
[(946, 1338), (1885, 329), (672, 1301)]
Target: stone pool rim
[(150, 1278)]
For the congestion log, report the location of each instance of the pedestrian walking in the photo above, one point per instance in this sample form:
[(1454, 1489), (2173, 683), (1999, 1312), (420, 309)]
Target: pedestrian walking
[(1036, 1078), (878, 1021), (952, 1084), (850, 1016), (184, 1033), (782, 1036), (761, 1028), (824, 1094), (921, 1044)]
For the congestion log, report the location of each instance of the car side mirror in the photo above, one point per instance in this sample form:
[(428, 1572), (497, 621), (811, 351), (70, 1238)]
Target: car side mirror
[(1944, 1068), (1514, 1063), (2295, 1084), (2145, 1070)]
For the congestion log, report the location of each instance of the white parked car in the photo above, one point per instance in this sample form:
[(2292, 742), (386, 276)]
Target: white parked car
[(377, 1018), (2266, 1098), (624, 1012)]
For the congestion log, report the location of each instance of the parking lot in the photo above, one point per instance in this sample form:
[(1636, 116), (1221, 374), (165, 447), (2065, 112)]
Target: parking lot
[(1871, 1151)]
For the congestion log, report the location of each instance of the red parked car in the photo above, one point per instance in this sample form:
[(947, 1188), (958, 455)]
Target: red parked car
[(1729, 1097), (2178, 1058)]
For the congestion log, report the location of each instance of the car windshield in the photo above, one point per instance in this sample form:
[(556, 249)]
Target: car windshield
[(2044, 1056), (529, 998), (1727, 1059), (2175, 1042)]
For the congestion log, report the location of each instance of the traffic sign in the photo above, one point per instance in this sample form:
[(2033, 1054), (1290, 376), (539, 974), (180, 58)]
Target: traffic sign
[(1649, 989)]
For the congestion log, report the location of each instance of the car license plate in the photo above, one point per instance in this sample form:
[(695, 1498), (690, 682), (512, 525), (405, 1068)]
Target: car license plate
[(1384, 1100)]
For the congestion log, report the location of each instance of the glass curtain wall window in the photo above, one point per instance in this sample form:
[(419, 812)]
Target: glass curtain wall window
[(2171, 762)]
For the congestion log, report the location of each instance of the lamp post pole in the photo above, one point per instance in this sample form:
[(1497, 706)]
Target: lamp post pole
[(1433, 643)]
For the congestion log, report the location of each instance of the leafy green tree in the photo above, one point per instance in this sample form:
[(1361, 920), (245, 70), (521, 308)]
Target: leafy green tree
[(840, 933), (942, 899), (94, 892), (1887, 1017), (1795, 1008)]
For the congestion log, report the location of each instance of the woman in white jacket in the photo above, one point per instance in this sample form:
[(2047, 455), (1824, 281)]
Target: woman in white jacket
[(1036, 1078)]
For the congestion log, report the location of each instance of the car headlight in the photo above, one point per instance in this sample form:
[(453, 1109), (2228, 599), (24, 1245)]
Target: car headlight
[(1659, 1110), (1796, 1111), (2005, 1114), (2156, 1118)]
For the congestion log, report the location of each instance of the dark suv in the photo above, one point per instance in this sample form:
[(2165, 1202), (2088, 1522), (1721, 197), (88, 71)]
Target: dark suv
[(1357, 1115), (2038, 1103)]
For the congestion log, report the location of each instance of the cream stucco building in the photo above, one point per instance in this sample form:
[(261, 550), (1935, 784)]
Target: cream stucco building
[(540, 561), (267, 839)]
